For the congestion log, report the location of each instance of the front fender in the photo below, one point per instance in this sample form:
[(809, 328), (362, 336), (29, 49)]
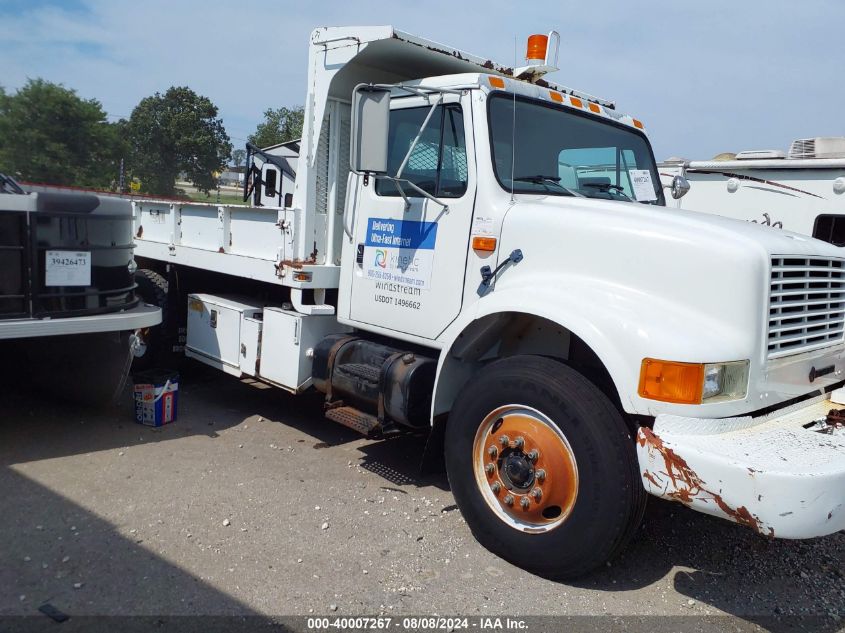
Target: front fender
[(621, 325)]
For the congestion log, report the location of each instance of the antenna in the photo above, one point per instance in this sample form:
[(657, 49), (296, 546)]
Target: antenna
[(513, 128)]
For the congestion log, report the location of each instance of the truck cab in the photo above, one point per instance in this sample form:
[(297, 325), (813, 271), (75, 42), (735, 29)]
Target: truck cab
[(473, 248)]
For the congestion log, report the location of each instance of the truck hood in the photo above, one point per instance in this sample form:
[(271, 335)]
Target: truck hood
[(687, 285), (652, 223)]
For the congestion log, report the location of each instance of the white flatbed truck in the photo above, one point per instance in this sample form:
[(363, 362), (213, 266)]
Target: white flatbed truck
[(469, 248)]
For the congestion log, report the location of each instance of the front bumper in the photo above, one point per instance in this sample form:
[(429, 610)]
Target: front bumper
[(142, 316), (782, 475)]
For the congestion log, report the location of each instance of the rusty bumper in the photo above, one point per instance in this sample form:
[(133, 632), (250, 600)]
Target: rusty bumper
[(782, 475)]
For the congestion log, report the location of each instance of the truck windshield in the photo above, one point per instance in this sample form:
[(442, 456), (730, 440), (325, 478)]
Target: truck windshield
[(542, 148)]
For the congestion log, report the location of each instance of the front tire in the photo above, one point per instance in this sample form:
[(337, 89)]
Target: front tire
[(543, 467)]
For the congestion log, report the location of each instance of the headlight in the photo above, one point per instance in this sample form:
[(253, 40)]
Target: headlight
[(725, 381), (693, 383)]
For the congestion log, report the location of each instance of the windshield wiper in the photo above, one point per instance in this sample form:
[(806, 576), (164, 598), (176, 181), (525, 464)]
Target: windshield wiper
[(606, 186), (544, 180)]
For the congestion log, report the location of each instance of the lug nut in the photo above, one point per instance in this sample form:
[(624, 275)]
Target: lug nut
[(537, 494), (509, 500), (504, 440), (489, 468), (525, 503), (519, 442), (492, 452), (534, 455), (496, 487), (541, 475)]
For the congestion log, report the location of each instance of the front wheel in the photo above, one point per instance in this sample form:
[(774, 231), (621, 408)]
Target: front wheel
[(543, 467)]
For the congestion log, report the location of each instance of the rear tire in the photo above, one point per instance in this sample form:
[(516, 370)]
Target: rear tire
[(156, 342), (588, 501)]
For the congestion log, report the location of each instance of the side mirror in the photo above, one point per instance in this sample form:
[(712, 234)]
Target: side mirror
[(680, 187), (369, 127)]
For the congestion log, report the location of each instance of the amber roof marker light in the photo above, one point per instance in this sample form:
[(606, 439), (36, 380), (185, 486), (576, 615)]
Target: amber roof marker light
[(542, 50), (541, 54), (537, 46)]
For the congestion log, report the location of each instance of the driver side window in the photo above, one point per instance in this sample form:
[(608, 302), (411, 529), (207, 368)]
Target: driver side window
[(438, 162)]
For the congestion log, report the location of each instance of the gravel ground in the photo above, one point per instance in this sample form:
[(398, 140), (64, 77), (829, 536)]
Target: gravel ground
[(253, 504)]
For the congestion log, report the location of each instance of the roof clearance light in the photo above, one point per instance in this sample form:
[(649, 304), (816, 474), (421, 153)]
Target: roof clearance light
[(638, 124), (496, 82), (537, 45), (594, 107), (556, 96), (576, 102)]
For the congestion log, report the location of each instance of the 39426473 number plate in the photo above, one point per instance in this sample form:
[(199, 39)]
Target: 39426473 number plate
[(67, 268)]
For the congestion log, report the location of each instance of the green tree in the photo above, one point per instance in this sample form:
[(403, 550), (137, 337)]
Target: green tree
[(279, 126), (177, 132), (49, 134), (238, 157)]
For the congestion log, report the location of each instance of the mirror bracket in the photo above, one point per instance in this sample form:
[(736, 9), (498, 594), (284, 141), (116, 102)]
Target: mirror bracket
[(417, 138), (398, 182)]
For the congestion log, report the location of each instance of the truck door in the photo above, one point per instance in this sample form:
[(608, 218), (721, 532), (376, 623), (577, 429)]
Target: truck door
[(410, 262)]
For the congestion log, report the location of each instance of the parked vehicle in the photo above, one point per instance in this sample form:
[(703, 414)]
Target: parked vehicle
[(471, 249), (68, 309), (802, 190)]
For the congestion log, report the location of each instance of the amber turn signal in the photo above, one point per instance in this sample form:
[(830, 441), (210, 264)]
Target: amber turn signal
[(670, 381), (487, 244)]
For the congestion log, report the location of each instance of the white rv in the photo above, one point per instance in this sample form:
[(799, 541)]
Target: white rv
[(472, 249), (802, 190)]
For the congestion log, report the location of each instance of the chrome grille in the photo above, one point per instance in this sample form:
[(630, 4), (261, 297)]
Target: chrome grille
[(806, 304)]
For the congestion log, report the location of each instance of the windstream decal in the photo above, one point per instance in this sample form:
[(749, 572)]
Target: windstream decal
[(400, 251)]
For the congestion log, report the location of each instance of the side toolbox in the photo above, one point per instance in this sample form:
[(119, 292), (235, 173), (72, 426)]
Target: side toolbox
[(224, 332), (287, 345)]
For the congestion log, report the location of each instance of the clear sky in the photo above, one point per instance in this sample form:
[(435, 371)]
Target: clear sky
[(705, 77)]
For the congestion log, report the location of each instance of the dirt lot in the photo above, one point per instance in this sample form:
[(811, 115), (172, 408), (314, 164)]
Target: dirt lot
[(252, 503)]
